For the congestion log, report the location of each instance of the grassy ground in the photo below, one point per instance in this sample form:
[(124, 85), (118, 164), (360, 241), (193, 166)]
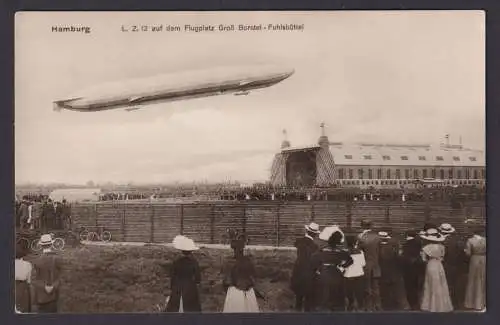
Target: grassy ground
[(98, 279)]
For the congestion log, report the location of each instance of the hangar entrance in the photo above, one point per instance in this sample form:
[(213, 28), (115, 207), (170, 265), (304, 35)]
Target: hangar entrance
[(301, 168)]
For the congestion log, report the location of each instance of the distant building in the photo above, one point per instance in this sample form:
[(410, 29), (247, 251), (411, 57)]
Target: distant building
[(376, 165)]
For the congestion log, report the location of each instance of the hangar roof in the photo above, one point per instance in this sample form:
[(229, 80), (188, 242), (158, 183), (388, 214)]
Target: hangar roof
[(363, 154)]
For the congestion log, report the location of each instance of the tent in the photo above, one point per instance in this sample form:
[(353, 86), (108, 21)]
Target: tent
[(76, 194)]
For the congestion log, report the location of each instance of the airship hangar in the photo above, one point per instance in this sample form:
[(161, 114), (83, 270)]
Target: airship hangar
[(371, 165)]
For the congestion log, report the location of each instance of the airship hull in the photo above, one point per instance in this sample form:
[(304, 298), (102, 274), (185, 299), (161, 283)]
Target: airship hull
[(172, 87)]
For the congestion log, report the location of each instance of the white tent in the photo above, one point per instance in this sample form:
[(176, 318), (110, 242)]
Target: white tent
[(76, 194)]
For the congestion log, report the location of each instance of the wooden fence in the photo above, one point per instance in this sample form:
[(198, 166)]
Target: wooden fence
[(265, 223)]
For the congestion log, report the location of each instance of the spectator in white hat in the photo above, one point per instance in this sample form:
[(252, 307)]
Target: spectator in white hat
[(446, 229), (327, 232), (436, 295), (184, 278), (47, 282), (302, 276)]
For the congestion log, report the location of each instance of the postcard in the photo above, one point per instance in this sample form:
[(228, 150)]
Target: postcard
[(222, 162)]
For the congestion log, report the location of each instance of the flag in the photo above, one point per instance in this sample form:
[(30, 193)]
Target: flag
[(322, 126)]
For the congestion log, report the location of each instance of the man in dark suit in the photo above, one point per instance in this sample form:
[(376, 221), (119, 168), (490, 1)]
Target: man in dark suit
[(303, 275), (412, 265), (58, 216), (48, 215), (47, 277), (369, 243), (66, 215), (18, 209), (452, 260), (37, 212), (24, 214)]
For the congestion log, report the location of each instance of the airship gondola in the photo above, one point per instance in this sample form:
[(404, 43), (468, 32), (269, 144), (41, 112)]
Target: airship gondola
[(137, 93)]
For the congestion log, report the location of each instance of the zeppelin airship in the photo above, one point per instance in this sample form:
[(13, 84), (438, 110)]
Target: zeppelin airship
[(137, 93)]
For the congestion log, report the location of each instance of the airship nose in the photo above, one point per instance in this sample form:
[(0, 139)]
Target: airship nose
[(284, 73), (289, 72)]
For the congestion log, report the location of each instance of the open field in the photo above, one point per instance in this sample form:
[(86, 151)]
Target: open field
[(134, 277), (110, 279)]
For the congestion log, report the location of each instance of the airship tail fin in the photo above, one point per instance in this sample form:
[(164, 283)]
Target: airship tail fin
[(56, 107)]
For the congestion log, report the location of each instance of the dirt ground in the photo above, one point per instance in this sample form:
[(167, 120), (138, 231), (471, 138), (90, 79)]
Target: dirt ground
[(118, 279), (103, 279)]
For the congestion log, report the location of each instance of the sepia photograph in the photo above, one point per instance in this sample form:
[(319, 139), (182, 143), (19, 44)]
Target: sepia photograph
[(250, 162)]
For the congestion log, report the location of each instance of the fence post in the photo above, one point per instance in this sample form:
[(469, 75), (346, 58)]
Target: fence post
[(349, 215), (212, 224), (95, 215), (427, 208), (123, 224), (278, 225), (244, 221), (152, 236), (387, 215), (312, 212), (181, 212), (427, 211), (466, 211)]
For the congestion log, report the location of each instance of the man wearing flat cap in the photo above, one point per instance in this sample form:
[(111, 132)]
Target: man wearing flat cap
[(369, 243), (302, 275)]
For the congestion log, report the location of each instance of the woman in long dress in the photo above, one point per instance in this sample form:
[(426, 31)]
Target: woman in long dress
[(435, 295), (184, 279), (239, 280), (329, 265), (475, 294), (23, 271)]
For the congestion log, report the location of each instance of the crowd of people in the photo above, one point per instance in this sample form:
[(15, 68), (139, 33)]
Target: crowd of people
[(370, 271), (353, 194), (269, 193), (122, 196), (32, 214), (333, 271)]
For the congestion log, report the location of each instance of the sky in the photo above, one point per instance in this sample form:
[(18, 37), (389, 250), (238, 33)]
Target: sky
[(391, 77)]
